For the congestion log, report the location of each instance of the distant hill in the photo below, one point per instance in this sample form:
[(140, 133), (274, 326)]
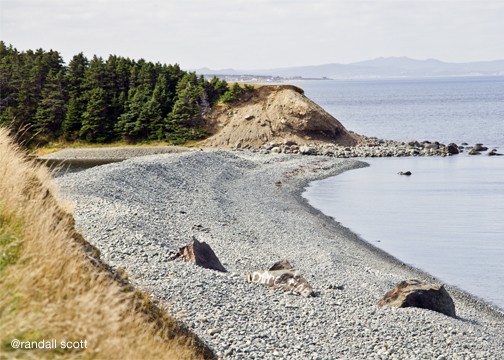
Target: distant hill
[(377, 68)]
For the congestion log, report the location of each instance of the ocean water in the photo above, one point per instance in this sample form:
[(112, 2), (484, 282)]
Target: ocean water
[(448, 217), (447, 110)]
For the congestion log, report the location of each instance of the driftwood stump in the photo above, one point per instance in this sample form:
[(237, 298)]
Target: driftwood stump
[(201, 254), (413, 293)]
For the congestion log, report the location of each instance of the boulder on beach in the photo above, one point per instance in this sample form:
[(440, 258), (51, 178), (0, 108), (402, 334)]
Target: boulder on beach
[(271, 114), (413, 293), (201, 254)]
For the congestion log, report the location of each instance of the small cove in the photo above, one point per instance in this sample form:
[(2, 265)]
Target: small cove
[(446, 219)]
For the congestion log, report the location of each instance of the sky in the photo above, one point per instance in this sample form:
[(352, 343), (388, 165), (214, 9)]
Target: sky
[(258, 34)]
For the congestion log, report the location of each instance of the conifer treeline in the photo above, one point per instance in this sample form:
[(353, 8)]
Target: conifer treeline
[(101, 100)]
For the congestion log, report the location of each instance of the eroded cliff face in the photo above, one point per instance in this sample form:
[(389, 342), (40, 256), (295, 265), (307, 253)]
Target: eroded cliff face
[(275, 113)]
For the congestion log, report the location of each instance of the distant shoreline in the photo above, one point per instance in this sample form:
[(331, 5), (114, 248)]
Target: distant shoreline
[(375, 68), (268, 80)]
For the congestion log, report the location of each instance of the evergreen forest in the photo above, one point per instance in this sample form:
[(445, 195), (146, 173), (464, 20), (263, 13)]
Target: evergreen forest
[(98, 101)]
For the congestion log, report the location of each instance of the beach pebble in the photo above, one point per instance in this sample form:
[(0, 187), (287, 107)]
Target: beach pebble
[(212, 332)]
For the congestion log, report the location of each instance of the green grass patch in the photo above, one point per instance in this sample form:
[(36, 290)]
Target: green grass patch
[(29, 335), (10, 246)]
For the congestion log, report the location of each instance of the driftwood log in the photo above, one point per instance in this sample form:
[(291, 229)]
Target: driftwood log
[(282, 276)]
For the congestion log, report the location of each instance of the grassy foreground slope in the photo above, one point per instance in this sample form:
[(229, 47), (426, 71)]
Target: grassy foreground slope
[(53, 285)]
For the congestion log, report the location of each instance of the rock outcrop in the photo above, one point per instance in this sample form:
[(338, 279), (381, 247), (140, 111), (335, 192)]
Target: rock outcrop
[(413, 293), (275, 113)]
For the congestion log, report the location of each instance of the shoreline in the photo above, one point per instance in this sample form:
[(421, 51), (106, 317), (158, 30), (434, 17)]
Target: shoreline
[(339, 257), (422, 274)]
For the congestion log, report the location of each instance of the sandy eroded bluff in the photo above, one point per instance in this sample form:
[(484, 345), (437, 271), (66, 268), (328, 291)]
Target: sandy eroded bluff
[(274, 113)]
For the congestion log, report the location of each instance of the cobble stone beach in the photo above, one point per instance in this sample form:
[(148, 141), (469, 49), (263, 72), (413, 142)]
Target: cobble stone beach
[(248, 208)]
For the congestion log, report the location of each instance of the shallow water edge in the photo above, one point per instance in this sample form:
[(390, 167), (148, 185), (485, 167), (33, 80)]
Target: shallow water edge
[(375, 206)]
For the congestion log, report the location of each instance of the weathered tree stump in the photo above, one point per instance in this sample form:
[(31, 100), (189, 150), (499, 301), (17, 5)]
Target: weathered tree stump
[(413, 293), (201, 254)]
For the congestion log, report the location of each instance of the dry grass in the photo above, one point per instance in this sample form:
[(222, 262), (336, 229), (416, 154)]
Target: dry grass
[(60, 145), (53, 285)]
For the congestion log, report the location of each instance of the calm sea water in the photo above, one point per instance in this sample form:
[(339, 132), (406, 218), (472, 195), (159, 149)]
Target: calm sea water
[(448, 217), (448, 110)]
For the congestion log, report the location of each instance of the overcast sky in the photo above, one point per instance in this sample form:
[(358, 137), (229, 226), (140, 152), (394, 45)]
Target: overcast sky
[(258, 34)]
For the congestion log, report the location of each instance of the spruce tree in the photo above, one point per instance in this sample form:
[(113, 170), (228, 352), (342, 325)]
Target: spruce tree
[(99, 76), (51, 108), (131, 126), (94, 119), (72, 123), (185, 118), (121, 70), (9, 82), (75, 78), (215, 88), (152, 117), (158, 107), (186, 107), (95, 76)]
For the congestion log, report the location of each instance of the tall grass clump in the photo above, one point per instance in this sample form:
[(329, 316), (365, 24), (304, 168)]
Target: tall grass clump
[(53, 284)]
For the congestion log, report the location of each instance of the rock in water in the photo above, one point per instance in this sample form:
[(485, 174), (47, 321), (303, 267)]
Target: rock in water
[(413, 293), (493, 152), (480, 147), (452, 149), (201, 254)]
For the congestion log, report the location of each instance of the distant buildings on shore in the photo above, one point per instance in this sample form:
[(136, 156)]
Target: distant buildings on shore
[(258, 78)]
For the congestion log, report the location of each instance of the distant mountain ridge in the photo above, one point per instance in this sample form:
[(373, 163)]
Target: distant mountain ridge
[(389, 67)]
